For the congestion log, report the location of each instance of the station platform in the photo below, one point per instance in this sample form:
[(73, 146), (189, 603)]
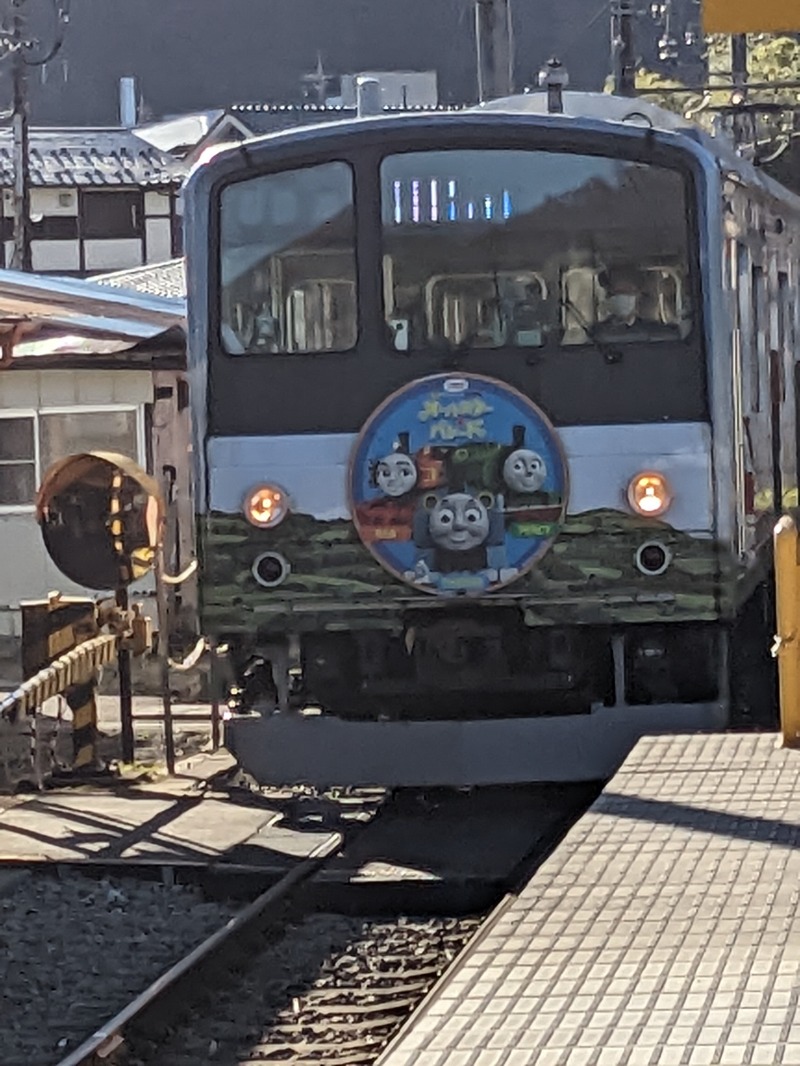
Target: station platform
[(663, 931)]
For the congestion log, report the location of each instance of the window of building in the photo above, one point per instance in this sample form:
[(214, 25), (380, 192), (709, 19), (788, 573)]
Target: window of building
[(288, 262), (18, 460), (111, 213), (30, 443)]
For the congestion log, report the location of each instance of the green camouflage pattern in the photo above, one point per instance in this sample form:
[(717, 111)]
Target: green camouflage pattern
[(588, 577)]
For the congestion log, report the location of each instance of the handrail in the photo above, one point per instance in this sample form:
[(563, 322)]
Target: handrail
[(786, 646)]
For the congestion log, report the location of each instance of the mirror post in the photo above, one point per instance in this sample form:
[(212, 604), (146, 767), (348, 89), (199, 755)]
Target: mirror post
[(125, 689)]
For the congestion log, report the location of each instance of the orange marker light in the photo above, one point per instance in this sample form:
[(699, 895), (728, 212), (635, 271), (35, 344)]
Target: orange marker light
[(266, 506), (649, 494)]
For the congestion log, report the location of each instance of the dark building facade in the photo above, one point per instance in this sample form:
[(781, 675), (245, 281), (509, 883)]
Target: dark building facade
[(190, 55)]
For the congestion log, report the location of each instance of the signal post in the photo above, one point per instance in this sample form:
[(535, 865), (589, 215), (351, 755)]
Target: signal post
[(101, 518)]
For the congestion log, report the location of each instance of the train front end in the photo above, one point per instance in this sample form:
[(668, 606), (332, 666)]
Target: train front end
[(457, 480)]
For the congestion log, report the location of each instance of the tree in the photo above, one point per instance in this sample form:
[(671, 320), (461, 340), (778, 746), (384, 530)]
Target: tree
[(768, 136)]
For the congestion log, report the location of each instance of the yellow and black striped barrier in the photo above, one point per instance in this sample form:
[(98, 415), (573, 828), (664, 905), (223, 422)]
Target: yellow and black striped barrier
[(74, 668), (82, 701), (786, 647)]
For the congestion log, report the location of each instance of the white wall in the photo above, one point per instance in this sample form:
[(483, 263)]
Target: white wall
[(26, 571)]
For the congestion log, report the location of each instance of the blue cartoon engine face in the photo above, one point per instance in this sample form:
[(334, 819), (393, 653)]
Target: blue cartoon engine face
[(459, 522), (458, 484)]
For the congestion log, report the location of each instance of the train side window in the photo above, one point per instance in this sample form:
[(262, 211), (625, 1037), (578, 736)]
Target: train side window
[(744, 286), (760, 332), (785, 312), (288, 262)]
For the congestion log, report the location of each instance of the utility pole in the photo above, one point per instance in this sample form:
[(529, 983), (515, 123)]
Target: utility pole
[(622, 47), (23, 55), (739, 75), (739, 60), (494, 42), (21, 257)]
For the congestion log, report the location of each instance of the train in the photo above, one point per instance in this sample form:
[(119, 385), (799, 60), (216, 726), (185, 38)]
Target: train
[(494, 412)]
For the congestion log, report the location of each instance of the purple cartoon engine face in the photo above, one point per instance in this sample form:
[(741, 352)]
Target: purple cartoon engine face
[(459, 522), (395, 475), (524, 471)]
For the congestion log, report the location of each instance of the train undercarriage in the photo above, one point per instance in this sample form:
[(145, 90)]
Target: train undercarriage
[(455, 667), (478, 697)]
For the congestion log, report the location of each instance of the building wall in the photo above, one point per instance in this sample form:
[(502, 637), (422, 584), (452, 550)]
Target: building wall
[(68, 236), (27, 572)]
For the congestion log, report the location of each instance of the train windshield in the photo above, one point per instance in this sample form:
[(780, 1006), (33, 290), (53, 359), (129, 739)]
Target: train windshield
[(288, 262), (493, 248)]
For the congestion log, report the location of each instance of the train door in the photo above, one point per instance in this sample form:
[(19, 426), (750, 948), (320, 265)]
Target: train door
[(777, 400)]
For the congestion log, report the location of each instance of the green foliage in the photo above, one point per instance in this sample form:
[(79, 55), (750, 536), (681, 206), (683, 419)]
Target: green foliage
[(771, 58)]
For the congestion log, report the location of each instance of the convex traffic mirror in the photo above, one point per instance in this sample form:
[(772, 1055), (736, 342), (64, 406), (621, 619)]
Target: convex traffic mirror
[(100, 515)]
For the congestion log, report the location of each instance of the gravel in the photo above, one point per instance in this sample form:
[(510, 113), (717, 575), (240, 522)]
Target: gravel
[(331, 990), (74, 951)]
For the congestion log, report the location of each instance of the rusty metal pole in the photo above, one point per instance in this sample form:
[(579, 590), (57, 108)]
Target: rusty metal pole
[(163, 657), (215, 709), (125, 689), (787, 641)]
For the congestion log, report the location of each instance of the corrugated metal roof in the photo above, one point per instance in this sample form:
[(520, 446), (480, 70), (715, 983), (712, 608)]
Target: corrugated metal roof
[(42, 313), (156, 279), (68, 157)]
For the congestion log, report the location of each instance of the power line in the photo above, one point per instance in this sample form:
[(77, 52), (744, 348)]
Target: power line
[(22, 53)]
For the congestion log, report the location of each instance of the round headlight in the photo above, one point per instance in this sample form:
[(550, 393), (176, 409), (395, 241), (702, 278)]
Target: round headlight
[(270, 569), (266, 506), (649, 494), (652, 558)]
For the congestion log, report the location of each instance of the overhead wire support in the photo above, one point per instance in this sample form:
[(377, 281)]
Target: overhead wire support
[(623, 48), (494, 43), (23, 52)]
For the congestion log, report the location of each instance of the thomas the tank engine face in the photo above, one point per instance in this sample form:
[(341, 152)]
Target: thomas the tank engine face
[(459, 522)]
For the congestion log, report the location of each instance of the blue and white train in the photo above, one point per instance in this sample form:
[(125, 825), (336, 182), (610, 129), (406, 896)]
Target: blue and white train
[(494, 411)]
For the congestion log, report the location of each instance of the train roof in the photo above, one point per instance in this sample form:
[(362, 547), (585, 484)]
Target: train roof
[(586, 110), (603, 107)]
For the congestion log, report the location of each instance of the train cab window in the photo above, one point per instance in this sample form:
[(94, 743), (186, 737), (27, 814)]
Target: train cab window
[(488, 310), (624, 303), (288, 263), (500, 248)]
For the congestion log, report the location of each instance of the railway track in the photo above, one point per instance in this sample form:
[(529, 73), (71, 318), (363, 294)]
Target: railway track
[(324, 966), (353, 984)]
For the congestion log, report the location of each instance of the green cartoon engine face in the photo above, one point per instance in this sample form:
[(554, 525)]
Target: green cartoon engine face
[(524, 471)]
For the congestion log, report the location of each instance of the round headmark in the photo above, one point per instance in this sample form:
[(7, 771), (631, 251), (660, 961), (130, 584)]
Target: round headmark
[(458, 484)]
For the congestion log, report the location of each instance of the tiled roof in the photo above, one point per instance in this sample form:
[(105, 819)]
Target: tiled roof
[(60, 157), (155, 279)]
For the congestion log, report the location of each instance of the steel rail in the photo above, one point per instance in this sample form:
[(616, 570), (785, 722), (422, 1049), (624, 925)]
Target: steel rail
[(112, 1035)]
